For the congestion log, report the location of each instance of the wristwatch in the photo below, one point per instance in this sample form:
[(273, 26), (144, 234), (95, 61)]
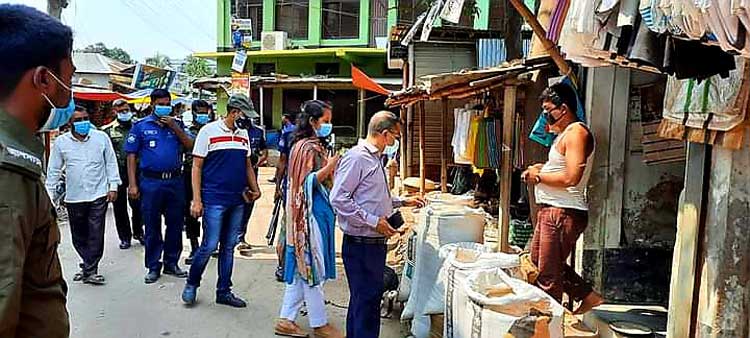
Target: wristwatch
[(538, 178)]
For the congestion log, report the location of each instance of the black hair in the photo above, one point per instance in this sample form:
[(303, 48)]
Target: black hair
[(29, 38), (81, 108), (159, 94), (559, 94), (200, 104), (310, 109)]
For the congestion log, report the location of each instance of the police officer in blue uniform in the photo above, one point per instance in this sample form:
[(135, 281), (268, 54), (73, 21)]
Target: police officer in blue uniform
[(259, 156), (157, 143)]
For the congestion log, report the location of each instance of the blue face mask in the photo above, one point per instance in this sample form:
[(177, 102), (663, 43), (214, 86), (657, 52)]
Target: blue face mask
[(82, 127), (201, 118), (324, 130), (125, 116), (161, 111), (392, 149), (59, 116)]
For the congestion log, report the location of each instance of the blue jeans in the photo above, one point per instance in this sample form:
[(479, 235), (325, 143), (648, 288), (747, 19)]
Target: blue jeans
[(221, 224), (167, 198), (364, 265)]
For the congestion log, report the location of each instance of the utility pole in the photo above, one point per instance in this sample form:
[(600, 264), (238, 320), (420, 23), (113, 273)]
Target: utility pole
[(55, 7)]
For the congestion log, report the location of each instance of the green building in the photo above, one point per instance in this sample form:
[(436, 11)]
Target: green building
[(324, 38)]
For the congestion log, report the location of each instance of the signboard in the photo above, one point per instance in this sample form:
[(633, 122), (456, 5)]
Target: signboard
[(242, 33), (431, 16), (181, 84), (452, 11), (240, 84), (149, 77), (238, 63)]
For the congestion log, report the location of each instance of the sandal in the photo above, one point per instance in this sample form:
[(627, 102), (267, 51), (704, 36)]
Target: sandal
[(78, 277), (95, 280), (289, 329)]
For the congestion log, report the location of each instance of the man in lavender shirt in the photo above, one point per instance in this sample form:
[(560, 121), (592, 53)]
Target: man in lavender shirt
[(363, 203)]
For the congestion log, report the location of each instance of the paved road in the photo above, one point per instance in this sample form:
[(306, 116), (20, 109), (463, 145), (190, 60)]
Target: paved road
[(126, 307)]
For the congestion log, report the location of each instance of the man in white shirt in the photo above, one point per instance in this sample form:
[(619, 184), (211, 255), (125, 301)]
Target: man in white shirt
[(91, 179)]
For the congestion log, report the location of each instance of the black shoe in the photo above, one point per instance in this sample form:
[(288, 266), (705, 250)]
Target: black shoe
[(215, 254), (189, 294), (189, 259), (279, 274), (139, 238), (124, 245), (152, 276), (176, 271), (231, 300), (244, 245)]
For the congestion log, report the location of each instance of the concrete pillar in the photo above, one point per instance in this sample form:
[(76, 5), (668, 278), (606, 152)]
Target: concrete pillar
[(724, 284)]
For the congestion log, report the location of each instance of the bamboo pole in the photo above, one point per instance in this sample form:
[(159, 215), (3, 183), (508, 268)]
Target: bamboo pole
[(422, 170), (506, 166), (548, 45), (443, 148)]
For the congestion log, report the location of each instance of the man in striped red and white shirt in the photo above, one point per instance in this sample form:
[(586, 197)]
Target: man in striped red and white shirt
[(224, 177)]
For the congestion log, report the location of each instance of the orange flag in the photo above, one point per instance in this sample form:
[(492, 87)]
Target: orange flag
[(362, 81)]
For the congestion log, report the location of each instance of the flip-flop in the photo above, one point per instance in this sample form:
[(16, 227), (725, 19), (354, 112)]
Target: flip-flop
[(95, 280), (78, 277)]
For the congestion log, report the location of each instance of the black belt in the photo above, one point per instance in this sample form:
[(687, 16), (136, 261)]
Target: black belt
[(162, 175), (365, 240)]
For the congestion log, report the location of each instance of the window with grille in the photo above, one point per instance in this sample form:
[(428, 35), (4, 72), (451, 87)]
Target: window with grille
[(249, 9), (291, 17), (341, 19)]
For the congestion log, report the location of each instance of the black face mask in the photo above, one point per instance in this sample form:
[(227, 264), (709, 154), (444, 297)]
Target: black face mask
[(243, 122)]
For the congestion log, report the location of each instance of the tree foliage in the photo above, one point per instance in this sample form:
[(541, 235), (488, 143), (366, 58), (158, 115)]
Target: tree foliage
[(116, 53), (197, 67), (158, 60)]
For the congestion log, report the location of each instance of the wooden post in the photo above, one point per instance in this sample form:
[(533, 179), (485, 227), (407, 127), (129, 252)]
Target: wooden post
[(444, 148), (404, 141), (506, 166), (690, 220), (361, 114), (422, 171), (549, 46), (260, 100)]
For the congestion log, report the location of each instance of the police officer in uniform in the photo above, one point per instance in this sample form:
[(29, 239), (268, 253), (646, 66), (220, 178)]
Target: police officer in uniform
[(259, 156), (156, 145), (36, 70), (201, 116), (117, 133)]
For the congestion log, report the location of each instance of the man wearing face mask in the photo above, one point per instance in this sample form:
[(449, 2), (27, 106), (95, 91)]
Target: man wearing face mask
[(364, 205), (561, 198), (201, 116), (155, 146), (36, 69), (91, 182), (118, 132), (223, 181)]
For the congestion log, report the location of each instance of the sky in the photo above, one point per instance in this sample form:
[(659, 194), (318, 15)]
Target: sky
[(142, 28)]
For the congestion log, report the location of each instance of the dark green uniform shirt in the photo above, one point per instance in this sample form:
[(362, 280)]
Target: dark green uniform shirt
[(117, 132), (32, 290)]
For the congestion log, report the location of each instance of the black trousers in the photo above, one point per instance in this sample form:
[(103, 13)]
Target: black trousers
[(86, 221), (192, 225), (123, 221), (247, 213)]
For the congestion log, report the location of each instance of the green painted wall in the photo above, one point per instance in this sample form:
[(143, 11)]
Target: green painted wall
[(223, 68), (482, 19), (278, 103)]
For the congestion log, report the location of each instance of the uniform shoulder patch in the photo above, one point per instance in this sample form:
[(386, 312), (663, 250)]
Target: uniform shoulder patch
[(20, 160), (131, 138)]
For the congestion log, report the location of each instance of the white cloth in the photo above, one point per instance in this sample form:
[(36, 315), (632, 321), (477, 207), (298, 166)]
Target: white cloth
[(460, 140), (90, 167), (569, 197), (217, 136), (300, 293)]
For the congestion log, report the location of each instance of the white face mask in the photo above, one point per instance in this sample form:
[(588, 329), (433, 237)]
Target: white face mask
[(392, 149)]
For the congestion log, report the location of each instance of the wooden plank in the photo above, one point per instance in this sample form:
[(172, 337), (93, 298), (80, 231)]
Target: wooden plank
[(506, 166), (422, 114), (444, 149), (686, 249)]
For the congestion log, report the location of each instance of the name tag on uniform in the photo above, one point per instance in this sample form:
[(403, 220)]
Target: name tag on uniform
[(152, 144)]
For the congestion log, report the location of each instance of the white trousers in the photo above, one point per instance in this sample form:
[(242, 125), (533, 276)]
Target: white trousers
[(300, 293)]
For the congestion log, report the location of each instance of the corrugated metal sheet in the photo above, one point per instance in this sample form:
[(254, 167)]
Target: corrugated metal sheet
[(433, 58), (490, 52)]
